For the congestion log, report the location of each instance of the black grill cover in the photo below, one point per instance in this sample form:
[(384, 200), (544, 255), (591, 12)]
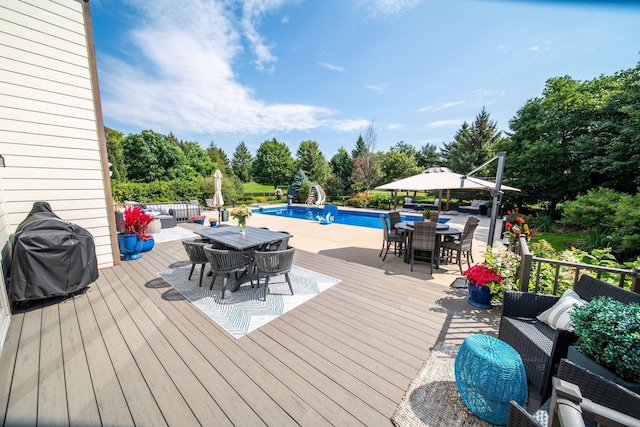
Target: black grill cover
[(51, 257)]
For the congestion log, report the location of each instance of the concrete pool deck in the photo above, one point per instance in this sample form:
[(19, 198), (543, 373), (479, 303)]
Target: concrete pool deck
[(361, 245)]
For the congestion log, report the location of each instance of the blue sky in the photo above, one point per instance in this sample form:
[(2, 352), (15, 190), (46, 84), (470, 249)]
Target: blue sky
[(249, 70)]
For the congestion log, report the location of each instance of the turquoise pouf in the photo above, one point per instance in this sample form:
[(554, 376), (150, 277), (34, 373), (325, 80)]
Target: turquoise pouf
[(489, 373)]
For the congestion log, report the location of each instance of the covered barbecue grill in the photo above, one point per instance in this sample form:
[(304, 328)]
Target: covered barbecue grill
[(51, 257)]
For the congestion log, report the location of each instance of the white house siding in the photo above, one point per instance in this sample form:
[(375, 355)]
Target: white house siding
[(48, 128)]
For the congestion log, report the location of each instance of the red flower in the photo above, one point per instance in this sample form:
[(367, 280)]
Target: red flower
[(508, 225), (520, 220), (508, 211), (482, 275), (135, 221), (517, 209)]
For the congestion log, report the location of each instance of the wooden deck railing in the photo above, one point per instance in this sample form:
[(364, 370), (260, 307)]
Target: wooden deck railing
[(527, 262)]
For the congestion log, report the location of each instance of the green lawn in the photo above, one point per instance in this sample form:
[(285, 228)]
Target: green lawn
[(557, 240), (254, 187)]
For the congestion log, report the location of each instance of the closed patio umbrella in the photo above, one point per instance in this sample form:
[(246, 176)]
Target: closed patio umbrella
[(218, 201)]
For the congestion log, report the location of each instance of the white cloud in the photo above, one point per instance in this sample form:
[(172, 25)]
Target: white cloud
[(534, 48), (350, 125), (441, 106), (285, 19), (445, 123), (382, 9), (501, 48), (377, 88), (180, 73), (393, 126), (331, 67)]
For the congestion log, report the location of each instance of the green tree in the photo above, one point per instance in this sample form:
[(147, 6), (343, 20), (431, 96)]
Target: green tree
[(546, 148), (396, 165), (219, 159), (342, 166), (150, 156), (115, 154), (428, 157), (241, 162), (273, 164), (311, 160), (472, 145), (197, 159), (360, 148)]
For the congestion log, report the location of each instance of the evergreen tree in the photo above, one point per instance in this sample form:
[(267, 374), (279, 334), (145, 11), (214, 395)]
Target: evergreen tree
[(241, 162), (294, 188), (342, 166), (360, 147), (219, 158), (428, 157), (312, 162), (472, 145)]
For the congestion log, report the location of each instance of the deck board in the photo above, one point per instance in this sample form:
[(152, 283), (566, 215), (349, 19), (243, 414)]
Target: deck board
[(52, 396), (133, 351)]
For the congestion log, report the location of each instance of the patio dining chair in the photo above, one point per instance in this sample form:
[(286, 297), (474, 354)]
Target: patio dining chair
[(389, 238), (195, 252), (424, 239), (226, 262), (463, 244), (434, 216), (394, 218), (274, 263)]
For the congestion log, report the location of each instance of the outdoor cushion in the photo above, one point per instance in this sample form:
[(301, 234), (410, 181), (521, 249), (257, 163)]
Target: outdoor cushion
[(559, 315)]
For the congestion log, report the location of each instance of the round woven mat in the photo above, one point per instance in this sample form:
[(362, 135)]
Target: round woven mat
[(432, 398)]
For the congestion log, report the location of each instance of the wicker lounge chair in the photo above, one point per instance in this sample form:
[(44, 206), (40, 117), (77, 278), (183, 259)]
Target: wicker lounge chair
[(592, 386), (540, 346)]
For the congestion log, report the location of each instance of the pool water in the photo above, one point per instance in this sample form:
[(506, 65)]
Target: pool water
[(347, 217)]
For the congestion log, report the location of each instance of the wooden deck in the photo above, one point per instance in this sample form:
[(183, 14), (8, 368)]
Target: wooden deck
[(133, 351)]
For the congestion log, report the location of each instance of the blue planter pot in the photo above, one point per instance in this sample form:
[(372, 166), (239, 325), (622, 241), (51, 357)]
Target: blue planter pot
[(480, 296), (199, 221), (130, 246), (213, 224), (147, 245)]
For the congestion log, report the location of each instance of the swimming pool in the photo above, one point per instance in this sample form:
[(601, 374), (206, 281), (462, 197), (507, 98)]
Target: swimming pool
[(347, 217)]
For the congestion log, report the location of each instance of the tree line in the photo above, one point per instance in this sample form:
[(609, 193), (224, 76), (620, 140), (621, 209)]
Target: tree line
[(576, 136)]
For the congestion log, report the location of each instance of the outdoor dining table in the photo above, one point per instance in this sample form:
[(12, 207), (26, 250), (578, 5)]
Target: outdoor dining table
[(252, 238), (441, 230), (230, 237)]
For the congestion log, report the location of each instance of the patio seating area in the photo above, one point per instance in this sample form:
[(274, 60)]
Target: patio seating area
[(132, 350)]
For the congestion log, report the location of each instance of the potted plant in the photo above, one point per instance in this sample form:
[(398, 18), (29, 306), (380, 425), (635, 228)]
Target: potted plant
[(213, 222), (608, 340), (198, 219), (481, 280), (147, 242), (134, 223), (241, 213)]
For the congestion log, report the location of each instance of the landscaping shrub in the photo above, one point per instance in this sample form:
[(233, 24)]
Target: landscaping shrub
[(380, 201), (360, 200), (260, 199), (609, 218), (543, 222), (608, 332)]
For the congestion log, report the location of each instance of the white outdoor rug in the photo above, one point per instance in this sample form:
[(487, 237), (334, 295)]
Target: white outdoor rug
[(432, 398), (241, 312)]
